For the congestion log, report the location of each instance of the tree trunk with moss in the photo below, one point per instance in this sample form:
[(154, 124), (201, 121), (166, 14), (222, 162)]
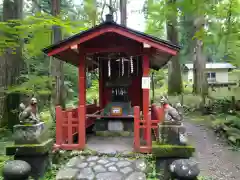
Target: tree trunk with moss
[(11, 65), (123, 10), (174, 68), (200, 85), (57, 65)]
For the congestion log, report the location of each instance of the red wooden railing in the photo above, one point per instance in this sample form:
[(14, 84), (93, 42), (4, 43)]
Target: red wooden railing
[(67, 125), (156, 115)]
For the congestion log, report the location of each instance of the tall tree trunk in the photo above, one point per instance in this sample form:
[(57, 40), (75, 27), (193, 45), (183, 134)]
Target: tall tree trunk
[(56, 65), (11, 65), (90, 7), (187, 34), (36, 6), (200, 85), (174, 68), (94, 14), (123, 10)]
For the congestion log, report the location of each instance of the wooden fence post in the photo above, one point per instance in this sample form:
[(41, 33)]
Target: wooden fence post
[(59, 131), (70, 127), (136, 128)]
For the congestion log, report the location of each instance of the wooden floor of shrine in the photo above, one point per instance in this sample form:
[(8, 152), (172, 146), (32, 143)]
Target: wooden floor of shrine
[(110, 145)]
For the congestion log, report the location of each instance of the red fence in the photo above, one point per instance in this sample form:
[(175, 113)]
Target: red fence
[(67, 125), (156, 115)]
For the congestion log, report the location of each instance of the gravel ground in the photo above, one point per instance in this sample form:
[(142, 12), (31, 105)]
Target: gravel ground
[(215, 157)]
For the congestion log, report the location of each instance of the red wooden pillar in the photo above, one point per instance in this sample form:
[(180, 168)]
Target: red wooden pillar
[(136, 110), (100, 85), (59, 127), (82, 102), (145, 95)]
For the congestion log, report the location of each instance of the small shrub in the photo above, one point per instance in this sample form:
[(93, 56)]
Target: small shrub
[(229, 127)]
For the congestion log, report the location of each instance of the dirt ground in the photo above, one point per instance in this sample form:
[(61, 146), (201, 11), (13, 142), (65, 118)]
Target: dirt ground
[(215, 157)]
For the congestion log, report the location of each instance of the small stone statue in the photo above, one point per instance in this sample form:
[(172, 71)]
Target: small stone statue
[(174, 117), (171, 113), (29, 115)]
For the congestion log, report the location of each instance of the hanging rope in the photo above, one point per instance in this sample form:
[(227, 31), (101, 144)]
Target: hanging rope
[(122, 66), (137, 66), (131, 64), (109, 68), (99, 65)]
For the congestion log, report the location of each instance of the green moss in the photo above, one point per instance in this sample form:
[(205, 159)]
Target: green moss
[(89, 152), (112, 134), (23, 149), (168, 150), (3, 160), (27, 124)]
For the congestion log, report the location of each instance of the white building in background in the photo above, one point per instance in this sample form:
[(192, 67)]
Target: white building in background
[(217, 73)]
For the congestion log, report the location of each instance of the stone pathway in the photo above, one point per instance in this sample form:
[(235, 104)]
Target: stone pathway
[(103, 168), (215, 157)]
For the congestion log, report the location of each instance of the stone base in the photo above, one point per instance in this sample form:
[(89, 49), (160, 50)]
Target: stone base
[(103, 124), (113, 133), (30, 134), (30, 149), (115, 125), (169, 133), (162, 169), (172, 151), (39, 164)]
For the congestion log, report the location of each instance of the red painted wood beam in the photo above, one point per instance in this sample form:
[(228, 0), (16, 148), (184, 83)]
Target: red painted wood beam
[(70, 127), (136, 142), (59, 127), (122, 32), (145, 94), (113, 49), (158, 46), (82, 102), (100, 85)]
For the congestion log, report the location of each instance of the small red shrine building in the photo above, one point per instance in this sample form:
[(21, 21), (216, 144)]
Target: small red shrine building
[(97, 48)]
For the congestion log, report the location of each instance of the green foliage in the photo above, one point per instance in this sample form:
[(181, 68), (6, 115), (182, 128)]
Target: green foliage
[(32, 85), (39, 28), (46, 116), (3, 160), (155, 19), (228, 126), (35, 32), (168, 150), (159, 77), (92, 92)]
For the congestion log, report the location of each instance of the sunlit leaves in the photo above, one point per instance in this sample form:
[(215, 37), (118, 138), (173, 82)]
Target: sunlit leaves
[(155, 18), (37, 30), (32, 85)]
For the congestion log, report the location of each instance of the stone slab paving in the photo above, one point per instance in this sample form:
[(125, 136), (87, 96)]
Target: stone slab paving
[(103, 168), (110, 145)]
